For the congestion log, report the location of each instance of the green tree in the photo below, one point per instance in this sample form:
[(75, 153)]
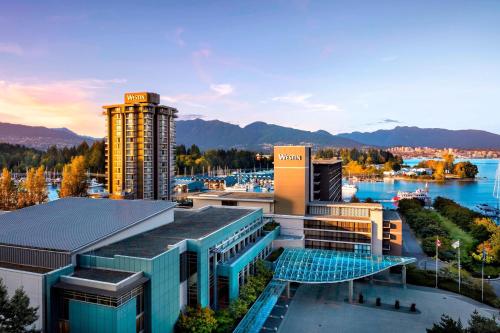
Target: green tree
[(447, 325), (4, 303), (481, 324), (16, 315), (225, 321), (197, 320), (74, 180)]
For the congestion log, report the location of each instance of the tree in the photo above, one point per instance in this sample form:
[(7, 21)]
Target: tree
[(477, 324), (447, 325), (448, 159), (8, 191), (197, 320), (481, 324), (354, 199), (33, 190), (465, 170), (4, 302), (74, 180), (16, 314)]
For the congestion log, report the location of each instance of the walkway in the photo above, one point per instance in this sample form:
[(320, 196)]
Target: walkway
[(322, 308), (261, 309)]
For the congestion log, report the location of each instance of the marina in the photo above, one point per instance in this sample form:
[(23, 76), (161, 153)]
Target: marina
[(476, 195)]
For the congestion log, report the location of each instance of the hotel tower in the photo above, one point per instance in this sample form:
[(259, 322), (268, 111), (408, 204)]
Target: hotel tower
[(140, 147)]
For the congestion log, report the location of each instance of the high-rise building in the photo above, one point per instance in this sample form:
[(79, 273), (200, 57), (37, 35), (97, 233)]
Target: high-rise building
[(140, 147)]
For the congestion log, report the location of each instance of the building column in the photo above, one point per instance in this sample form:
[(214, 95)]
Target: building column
[(288, 290), (216, 305), (351, 290), (403, 276)]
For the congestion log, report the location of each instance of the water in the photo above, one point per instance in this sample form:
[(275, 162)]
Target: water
[(53, 195), (465, 193)]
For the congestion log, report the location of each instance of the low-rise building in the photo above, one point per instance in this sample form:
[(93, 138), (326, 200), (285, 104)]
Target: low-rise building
[(128, 265)]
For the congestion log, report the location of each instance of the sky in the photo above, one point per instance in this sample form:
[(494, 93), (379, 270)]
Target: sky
[(339, 66)]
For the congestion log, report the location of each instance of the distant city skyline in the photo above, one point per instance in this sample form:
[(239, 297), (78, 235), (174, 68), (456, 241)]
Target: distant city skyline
[(335, 66)]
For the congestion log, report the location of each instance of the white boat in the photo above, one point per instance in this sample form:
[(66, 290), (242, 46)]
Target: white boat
[(96, 189), (237, 188), (349, 190), (420, 194)]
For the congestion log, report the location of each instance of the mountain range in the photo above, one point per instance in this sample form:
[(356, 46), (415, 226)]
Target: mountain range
[(40, 137), (261, 136)]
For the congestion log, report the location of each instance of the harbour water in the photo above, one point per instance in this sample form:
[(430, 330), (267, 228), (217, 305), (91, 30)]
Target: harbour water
[(467, 193)]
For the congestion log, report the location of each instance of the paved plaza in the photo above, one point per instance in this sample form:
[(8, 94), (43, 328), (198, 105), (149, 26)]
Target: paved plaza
[(323, 308)]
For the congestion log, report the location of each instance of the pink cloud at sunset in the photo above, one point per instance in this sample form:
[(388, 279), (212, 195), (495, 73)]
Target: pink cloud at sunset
[(68, 104)]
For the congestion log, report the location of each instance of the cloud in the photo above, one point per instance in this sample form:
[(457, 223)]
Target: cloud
[(303, 100), (191, 116), (68, 104), (11, 48), (389, 121), (222, 89), (384, 122)]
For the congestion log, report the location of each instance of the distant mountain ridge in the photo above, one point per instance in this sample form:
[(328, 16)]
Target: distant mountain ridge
[(40, 137), (255, 136), (427, 137), (216, 134)]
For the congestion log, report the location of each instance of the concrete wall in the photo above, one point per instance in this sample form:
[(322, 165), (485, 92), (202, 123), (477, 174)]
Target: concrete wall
[(376, 215), (291, 225), (267, 207), (33, 285), (200, 203)]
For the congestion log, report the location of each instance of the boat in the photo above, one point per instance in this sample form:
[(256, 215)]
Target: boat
[(419, 194), (488, 210), (96, 190), (349, 190), (237, 188)]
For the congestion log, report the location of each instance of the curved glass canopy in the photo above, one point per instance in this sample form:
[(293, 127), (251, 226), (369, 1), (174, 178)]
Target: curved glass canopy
[(327, 266)]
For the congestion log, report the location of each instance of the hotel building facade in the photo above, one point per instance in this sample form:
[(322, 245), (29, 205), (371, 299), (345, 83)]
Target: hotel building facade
[(140, 145), (307, 204)]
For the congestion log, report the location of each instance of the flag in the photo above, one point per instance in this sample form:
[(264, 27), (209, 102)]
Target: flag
[(438, 242), (456, 244)]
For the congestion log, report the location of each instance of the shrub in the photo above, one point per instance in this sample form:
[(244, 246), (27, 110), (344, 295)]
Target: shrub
[(470, 289)]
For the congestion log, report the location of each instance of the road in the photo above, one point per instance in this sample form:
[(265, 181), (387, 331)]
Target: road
[(412, 248)]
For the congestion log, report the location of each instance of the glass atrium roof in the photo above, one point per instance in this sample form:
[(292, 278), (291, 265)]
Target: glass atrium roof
[(327, 266)]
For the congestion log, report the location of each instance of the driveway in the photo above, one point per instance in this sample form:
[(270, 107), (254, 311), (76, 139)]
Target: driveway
[(412, 248)]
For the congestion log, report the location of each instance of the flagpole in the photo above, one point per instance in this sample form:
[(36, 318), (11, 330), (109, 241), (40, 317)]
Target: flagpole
[(482, 276), (437, 240), (459, 281)]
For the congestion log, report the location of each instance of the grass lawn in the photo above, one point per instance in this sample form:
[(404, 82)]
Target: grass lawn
[(455, 231)]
